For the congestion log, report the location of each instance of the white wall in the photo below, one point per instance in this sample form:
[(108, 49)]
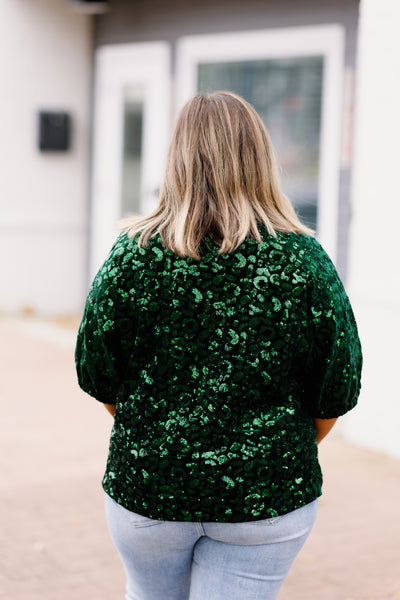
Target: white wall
[(374, 280), (45, 63)]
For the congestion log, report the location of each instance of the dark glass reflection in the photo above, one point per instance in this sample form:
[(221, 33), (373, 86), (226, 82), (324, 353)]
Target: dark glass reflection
[(287, 93)]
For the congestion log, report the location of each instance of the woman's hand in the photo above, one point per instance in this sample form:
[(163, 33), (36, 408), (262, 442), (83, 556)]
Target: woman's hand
[(323, 427)]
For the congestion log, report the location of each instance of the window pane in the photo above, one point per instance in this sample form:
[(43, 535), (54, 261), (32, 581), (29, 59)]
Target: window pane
[(132, 157), (287, 94)]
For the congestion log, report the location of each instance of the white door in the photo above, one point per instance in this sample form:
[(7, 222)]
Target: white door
[(131, 135), (294, 79)]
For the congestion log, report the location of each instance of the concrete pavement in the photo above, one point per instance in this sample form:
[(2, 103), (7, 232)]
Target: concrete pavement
[(54, 544)]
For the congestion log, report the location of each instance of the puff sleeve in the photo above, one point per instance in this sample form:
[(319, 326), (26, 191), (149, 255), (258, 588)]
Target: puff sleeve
[(107, 331), (333, 373)]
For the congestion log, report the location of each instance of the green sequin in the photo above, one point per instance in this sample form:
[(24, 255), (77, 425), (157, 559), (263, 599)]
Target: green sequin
[(217, 368)]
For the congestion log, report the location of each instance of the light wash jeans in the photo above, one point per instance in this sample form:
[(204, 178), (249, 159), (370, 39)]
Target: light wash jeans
[(174, 560)]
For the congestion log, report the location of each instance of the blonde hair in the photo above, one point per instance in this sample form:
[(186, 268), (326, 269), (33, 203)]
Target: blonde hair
[(220, 181)]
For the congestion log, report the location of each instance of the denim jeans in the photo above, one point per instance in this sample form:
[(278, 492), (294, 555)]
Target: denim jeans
[(173, 560)]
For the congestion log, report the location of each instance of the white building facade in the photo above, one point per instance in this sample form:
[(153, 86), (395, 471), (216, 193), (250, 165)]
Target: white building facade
[(45, 65), (374, 273), (131, 69)]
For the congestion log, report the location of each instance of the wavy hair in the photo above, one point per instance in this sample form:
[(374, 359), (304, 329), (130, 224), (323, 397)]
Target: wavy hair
[(221, 180)]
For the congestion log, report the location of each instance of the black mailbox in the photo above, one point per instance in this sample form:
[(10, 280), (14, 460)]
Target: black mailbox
[(54, 130)]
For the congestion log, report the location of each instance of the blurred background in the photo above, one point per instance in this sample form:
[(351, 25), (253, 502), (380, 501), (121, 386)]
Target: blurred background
[(89, 94)]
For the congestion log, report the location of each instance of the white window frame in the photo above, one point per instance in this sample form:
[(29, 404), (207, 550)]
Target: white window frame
[(325, 40), (118, 67)]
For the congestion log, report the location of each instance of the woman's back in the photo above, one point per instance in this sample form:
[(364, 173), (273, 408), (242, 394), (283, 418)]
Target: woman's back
[(218, 367)]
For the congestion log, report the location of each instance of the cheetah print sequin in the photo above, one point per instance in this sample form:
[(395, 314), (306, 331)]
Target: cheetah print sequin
[(217, 368)]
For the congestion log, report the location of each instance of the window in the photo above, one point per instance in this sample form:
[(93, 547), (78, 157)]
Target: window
[(287, 95), (294, 79)]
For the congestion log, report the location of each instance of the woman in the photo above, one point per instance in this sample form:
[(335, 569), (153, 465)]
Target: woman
[(219, 336)]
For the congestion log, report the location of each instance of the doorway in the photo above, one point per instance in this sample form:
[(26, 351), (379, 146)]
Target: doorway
[(131, 135)]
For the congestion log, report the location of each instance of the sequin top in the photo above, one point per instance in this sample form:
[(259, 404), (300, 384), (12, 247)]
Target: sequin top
[(217, 368)]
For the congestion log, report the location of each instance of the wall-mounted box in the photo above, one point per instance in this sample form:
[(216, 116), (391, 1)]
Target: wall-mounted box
[(54, 130)]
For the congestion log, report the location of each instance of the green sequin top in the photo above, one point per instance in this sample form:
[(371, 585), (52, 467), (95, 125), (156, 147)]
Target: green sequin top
[(217, 368)]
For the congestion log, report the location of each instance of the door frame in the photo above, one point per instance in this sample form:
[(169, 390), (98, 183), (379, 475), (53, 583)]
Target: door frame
[(147, 66), (324, 40)]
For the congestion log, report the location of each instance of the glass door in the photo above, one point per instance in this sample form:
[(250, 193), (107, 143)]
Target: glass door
[(131, 131), (287, 95), (293, 78)]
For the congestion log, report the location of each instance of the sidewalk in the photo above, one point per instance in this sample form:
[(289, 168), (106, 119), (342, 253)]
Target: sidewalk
[(54, 543)]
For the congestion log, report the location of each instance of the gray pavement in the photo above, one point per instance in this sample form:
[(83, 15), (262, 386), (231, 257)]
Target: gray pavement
[(54, 544)]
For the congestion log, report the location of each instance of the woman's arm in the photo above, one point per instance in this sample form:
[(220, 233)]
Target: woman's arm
[(323, 427), (107, 333), (111, 408)]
